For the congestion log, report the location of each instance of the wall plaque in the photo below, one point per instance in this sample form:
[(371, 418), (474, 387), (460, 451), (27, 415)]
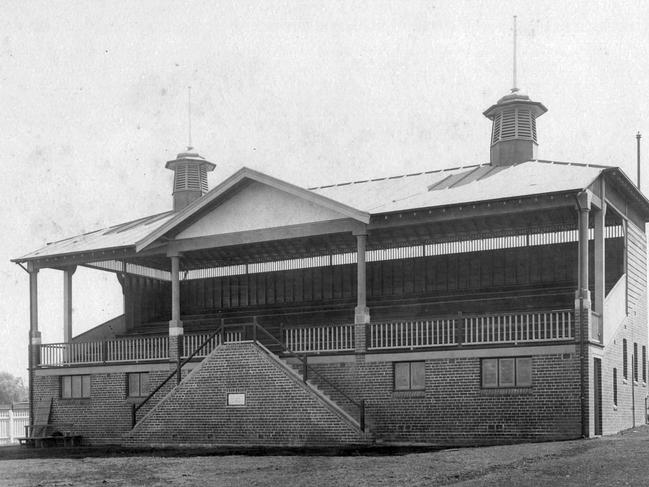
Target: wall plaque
[(236, 399)]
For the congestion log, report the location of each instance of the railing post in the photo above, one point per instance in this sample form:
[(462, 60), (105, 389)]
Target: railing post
[(222, 331), (362, 415), (281, 333), (133, 415)]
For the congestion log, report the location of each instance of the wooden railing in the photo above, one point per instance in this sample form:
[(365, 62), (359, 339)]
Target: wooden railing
[(519, 327), (412, 334), (323, 338), (487, 329), (57, 354), (207, 342), (524, 327), (137, 349)]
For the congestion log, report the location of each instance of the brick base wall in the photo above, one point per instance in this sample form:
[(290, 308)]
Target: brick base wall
[(106, 415), (455, 410)]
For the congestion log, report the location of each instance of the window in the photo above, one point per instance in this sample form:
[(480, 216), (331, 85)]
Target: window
[(409, 376), (507, 372), (138, 384), (644, 364), (625, 369), (614, 387), (74, 386), (635, 361)]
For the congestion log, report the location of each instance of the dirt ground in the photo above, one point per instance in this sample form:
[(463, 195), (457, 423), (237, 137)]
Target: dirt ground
[(610, 461)]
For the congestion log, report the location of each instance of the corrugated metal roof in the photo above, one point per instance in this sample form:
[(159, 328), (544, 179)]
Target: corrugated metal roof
[(118, 236), (462, 185), (399, 193)]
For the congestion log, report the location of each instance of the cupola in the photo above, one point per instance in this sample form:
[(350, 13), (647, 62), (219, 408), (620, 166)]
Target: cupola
[(513, 133), (190, 177)]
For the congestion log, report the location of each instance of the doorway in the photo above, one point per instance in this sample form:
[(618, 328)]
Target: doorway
[(597, 395)]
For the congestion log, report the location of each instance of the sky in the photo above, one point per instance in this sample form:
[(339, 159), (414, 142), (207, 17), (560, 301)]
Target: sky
[(93, 99)]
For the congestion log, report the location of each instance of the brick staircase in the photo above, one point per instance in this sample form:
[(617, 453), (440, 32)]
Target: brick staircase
[(280, 408)]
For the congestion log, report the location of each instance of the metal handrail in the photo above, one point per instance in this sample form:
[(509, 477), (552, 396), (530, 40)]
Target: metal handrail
[(305, 375), (135, 408)]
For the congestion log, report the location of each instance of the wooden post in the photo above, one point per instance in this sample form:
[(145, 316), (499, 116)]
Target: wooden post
[(361, 312), (582, 308), (67, 303), (584, 213), (362, 415), (34, 334), (175, 325)]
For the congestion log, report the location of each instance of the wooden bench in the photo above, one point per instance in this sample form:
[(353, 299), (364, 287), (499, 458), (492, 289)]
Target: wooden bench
[(51, 434)]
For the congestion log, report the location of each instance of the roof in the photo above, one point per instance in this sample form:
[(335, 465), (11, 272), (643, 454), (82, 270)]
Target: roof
[(469, 184), (117, 236), (361, 199)]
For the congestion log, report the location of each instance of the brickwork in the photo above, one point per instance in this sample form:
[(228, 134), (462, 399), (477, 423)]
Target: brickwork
[(454, 409), (106, 414), (279, 409)]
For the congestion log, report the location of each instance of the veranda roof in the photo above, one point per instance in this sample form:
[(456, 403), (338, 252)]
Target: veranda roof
[(361, 199)]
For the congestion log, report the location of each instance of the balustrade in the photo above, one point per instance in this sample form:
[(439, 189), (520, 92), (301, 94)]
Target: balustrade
[(519, 327), (322, 338), (412, 334), (487, 329)]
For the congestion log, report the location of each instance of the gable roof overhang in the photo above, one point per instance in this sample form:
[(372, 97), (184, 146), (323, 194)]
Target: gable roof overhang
[(167, 232)]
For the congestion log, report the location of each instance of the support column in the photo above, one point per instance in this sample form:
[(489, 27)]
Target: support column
[(175, 325), (34, 334), (362, 312), (582, 280), (600, 268), (67, 303), (582, 310)]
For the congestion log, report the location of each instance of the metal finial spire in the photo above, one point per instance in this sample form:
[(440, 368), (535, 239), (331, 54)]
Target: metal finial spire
[(514, 87), (189, 117)]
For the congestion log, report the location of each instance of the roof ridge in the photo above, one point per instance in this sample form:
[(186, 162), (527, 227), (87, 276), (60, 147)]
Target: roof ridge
[(566, 163), (399, 176)]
